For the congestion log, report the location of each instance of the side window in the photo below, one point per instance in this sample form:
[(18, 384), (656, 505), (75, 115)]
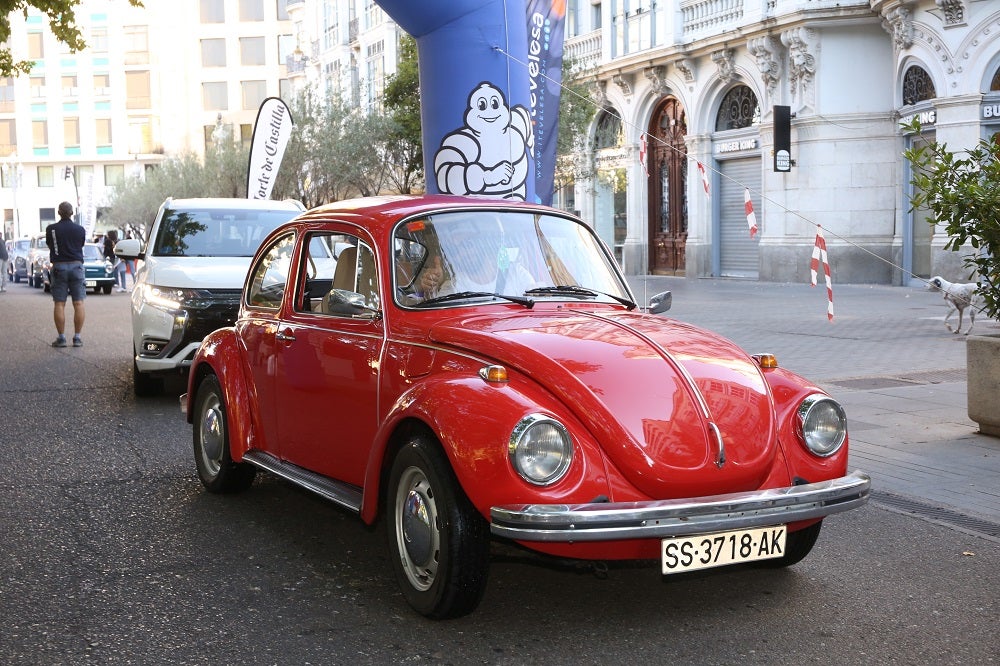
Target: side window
[(269, 277), (340, 276)]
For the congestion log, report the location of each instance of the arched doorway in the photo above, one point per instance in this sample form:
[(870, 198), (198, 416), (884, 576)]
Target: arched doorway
[(918, 89), (668, 213)]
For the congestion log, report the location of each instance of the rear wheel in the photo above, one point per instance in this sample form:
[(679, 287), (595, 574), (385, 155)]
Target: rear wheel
[(106, 288), (216, 469), (145, 385), (439, 542)]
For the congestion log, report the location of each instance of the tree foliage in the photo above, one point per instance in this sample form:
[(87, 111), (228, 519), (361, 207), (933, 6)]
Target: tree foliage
[(962, 192), (62, 22), (401, 99)]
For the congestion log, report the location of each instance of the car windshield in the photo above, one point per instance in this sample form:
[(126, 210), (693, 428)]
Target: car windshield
[(91, 253), (449, 257), (215, 232)]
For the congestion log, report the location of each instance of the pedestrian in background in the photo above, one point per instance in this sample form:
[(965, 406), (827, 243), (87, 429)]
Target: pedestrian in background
[(65, 239), (4, 257), (126, 268)]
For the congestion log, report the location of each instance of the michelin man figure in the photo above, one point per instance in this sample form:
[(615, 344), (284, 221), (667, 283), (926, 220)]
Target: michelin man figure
[(490, 154)]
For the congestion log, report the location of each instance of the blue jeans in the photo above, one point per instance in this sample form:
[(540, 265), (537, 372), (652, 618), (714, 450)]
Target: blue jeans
[(68, 279)]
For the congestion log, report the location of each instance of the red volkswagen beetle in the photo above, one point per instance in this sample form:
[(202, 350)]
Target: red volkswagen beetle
[(476, 369)]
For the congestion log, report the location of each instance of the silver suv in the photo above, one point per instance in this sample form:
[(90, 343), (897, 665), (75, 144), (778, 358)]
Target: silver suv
[(193, 264)]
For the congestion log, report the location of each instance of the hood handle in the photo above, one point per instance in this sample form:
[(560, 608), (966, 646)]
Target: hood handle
[(720, 460)]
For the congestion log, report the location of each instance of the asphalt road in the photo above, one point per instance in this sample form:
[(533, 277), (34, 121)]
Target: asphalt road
[(113, 554)]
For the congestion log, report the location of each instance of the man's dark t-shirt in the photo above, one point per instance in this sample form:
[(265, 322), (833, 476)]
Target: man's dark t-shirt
[(65, 239)]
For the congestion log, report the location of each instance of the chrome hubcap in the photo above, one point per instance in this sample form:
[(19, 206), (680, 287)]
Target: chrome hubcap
[(212, 435), (417, 533)]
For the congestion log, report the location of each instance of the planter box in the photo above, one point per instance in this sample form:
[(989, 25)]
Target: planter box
[(983, 365)]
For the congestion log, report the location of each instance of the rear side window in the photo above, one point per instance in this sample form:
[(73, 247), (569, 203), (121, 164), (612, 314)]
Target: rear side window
[(269, 278), (215, 232)]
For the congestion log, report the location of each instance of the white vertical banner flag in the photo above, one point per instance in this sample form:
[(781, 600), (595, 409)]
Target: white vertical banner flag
[(271, 131)]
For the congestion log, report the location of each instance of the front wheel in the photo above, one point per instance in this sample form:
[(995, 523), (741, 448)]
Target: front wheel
[(439, 542), (216, 469), (145, 385)]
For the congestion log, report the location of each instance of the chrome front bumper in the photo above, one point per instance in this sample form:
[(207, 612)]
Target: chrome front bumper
[(613, 521)]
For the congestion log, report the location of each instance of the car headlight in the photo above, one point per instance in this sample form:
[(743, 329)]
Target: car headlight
[(169, 298), (822, 424), (540, 449)]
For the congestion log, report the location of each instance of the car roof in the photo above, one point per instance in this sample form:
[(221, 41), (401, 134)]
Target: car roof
[(246, 204), (382, 211)]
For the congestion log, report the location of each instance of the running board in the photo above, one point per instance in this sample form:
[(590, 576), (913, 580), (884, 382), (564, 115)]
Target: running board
[(338, 492)]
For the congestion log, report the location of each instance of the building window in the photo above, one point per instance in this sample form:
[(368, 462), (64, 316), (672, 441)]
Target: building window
[(252, 51), (137, 90), (995, 83), (330, 25), (46, 176), (739, 109), (375, 74), (215, 96), (114, 175), (98, 42), (37, 86), (917, 86), (136, 45), (254, 93), (373, 14), (609, 132), (286, 46), (246, 135), (213, 11), (71, 132), (213, 53), (102, 131), (69, 87), (102, 85), (47, 215), (140, 136), (8, 136), (39, 134), (282, 7), (251, 10), (6, 94), (36, 46)]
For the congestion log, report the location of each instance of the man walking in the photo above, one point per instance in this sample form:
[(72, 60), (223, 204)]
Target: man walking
[(65, 239)]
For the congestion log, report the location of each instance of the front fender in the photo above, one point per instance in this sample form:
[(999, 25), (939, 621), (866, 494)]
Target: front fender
[(220, 355), (473, 420)]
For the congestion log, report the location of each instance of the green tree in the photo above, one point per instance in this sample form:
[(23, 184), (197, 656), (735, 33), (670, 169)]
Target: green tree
[(401, 99), (62, 22), (576, 113), (962, 191)]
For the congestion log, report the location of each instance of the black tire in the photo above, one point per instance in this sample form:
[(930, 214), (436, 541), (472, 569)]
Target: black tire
[(46, 287), (216, 469), (797, 546), (106, 289), (439, 544), (145, 385)]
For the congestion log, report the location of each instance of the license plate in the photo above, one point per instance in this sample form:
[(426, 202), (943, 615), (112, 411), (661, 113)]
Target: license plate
[(715, 550), (91, 283)]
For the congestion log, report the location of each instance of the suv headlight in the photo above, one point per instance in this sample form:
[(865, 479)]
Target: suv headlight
[(540, 449), (170, 298), (822, 424)]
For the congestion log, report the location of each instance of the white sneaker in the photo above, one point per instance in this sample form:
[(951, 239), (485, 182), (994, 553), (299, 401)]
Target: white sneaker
[(119, 290)]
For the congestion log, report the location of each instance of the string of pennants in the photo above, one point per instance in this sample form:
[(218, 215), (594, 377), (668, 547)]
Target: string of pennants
[(819, 253)]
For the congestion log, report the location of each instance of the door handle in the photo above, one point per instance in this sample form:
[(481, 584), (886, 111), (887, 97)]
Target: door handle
[(285, 336)]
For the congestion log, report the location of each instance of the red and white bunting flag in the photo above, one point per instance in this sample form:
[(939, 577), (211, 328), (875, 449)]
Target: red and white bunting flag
[(642, 154), (748, 207), (819, 254), (704, 180)]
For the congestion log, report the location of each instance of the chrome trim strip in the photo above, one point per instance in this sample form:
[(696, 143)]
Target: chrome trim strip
[(679, 517), (341, 493)]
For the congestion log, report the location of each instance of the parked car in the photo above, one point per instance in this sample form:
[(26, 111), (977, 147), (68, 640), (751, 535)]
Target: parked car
[(189, 281), (38, 252), (475, 369), (98, 271), (17, 265)]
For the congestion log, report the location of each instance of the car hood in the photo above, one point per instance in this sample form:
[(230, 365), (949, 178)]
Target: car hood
[(651, 390), (197, 272)]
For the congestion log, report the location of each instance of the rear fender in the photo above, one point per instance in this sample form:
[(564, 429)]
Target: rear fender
[(219, 355)]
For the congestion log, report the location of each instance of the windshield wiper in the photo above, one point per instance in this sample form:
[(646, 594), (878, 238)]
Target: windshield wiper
[(581, 292), (457, 296)]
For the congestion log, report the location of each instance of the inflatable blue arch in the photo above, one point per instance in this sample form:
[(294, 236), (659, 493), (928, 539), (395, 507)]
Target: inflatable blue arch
[(490, 72)]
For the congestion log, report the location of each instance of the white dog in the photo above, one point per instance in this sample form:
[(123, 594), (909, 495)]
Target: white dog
[(958, 296)]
